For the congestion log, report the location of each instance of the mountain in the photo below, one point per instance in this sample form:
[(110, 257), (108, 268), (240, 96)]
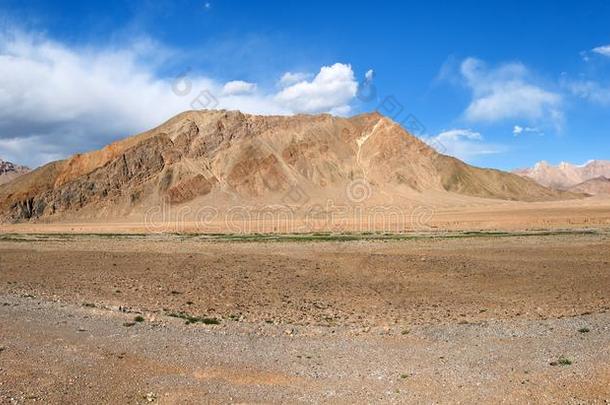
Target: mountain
[(566, 175), (598, 185), (10, 171), (229, 159)]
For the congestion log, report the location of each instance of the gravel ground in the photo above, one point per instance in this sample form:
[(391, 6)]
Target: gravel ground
[(471, 321), (61, 353)]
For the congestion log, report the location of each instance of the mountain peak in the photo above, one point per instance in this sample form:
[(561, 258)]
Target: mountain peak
[(227, 158), (566, 175), (10, 171)]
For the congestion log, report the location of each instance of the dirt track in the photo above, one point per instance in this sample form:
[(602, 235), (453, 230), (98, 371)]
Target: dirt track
[(450, 320)]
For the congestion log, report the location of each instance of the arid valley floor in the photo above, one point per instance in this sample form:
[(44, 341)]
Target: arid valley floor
[(301, 202), (459, 318)]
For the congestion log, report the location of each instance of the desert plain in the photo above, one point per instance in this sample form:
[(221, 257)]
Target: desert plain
[(488, 310)]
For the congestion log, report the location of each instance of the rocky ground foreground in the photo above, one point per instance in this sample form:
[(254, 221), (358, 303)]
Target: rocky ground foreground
[(118, 319)]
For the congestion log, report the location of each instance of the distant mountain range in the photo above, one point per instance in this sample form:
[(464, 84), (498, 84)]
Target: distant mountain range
[(591, 177), (10, 171)]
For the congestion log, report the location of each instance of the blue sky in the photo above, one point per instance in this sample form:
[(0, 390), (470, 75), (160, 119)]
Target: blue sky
[(499, 84)]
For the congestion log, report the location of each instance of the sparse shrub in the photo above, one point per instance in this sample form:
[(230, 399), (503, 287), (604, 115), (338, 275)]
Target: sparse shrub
[(194, 319), (210, 321), (562, 361), (139, 318)]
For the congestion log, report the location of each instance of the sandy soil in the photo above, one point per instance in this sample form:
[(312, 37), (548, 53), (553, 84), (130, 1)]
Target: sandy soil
[(431, 212), (444, 320)]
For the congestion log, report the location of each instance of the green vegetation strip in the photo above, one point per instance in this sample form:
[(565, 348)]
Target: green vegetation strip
[(194, 319)]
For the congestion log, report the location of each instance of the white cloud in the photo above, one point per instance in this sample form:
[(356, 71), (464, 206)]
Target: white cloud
[(518, 130), (290, 78), (602, 50), (333, 88), (590, 90), (22, 149), (368, 76), (508, 92), (464, 144), (57, 100), (238, 87)]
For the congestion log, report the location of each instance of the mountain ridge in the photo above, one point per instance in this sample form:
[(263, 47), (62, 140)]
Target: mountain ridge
[(594, 186), (565, 175), (227, 158)]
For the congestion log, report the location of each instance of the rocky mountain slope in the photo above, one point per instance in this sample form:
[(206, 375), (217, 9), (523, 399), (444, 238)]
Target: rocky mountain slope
[(566, 175), (226, 159), (598, 185), (10, 171)]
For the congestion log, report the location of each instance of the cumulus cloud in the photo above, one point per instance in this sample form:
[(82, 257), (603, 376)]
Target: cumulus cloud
[(602, 50), (68, 99), (464, 144), (56, 100), (332, 89), (238, 87), (290, 78), (508, 92)]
